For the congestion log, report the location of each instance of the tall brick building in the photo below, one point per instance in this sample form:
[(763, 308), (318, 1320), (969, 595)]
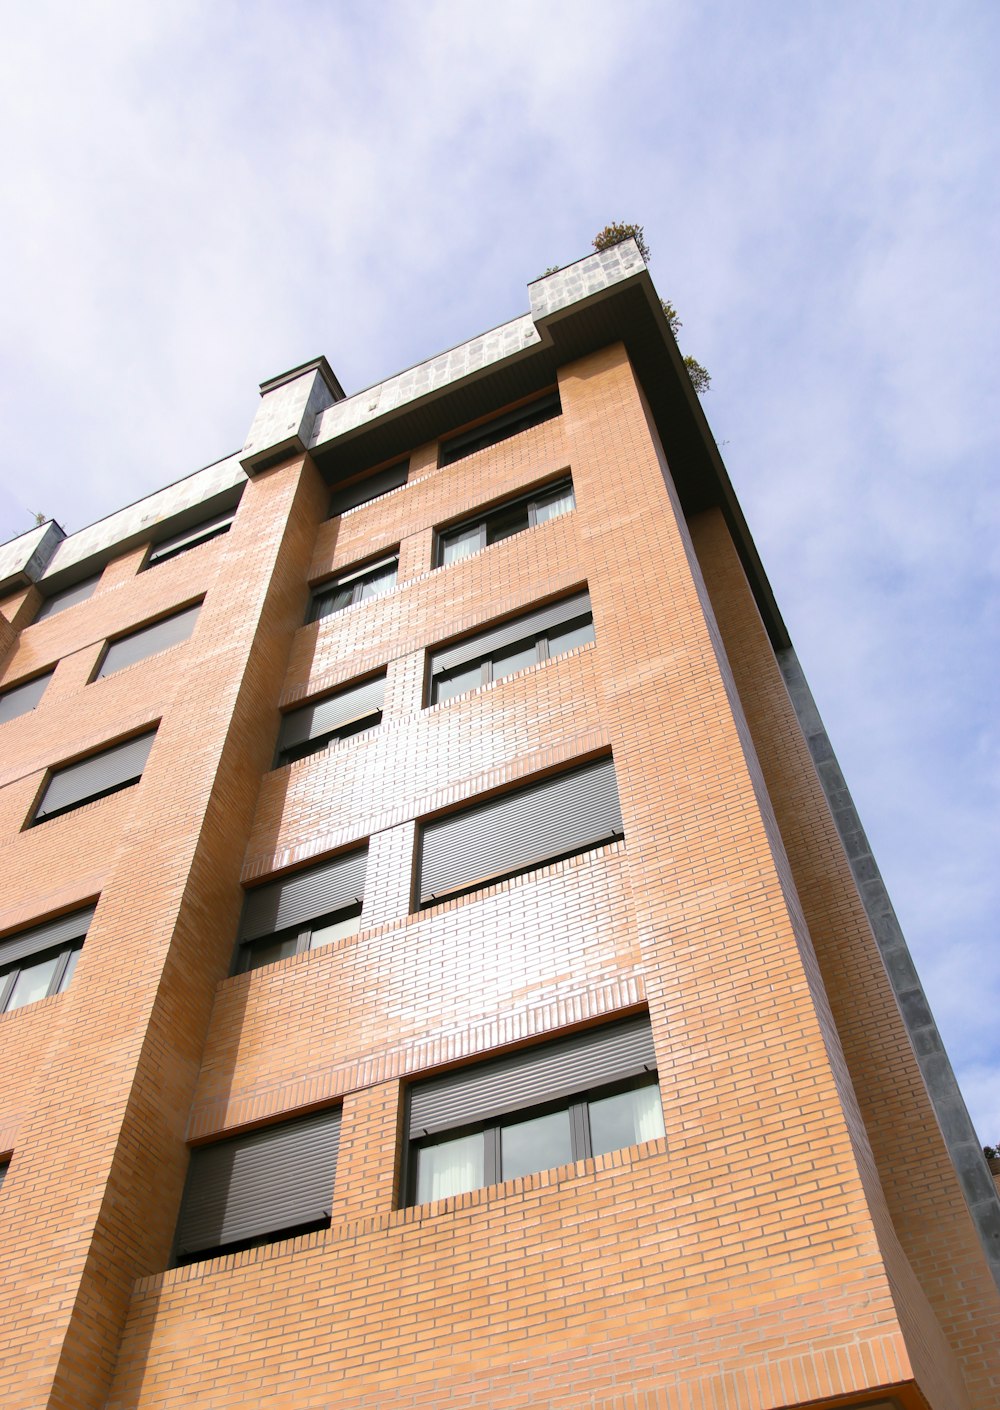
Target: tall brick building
[(439, 959)]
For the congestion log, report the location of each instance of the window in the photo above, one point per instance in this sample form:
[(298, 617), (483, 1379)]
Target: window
[(94, 777), (498, 428), (542, 1106), (302, 911), (361, 585), (38, 962), (4, 1167), (191, 538), (264, 1185), (515, 832), (498, 652), (312, 727), (168, 631), (516, 515), (22, 698), (361, 491), (67, 597)]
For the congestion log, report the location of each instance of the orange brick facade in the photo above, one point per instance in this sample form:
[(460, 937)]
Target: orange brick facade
[(779, 1246)]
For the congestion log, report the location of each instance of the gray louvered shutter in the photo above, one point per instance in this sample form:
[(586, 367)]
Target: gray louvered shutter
[(49, 936), (507, 633), (332, 713), (532, 1076), (22, 698), (207, 529), (369, 488), (99, 774), (147, 640), (260, 1183), (304, 896), (563, 814), (69, 597)]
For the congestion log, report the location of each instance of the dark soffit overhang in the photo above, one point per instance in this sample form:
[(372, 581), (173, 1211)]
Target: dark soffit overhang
[(629, 312)]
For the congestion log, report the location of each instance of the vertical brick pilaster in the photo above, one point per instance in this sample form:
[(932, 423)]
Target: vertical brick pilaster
[(82, 1228), (369, 1147), (387, 881)]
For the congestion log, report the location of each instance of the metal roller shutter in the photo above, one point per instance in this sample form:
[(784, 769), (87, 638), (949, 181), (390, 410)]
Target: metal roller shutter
[(45, 937), (369, 488), (69, 597), (564, 814), (207, 529), (519, 629), (332, 713), (147, 640), (304, 896), (90, 778), (533, 1076), (22, 698), (260, 1183)]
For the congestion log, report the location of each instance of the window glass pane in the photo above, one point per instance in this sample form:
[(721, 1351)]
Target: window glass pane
[(625, 1119), (334, 928), (552, 505), (457, 682), (461, 543), (64, 983), (272, 951), (515, 658), (565, 638), (536, 1144), (382, 581), (504, 525), (451, 1167), (32, 983)]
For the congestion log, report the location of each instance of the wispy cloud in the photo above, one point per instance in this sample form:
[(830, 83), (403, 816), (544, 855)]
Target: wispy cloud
[(200, 196)]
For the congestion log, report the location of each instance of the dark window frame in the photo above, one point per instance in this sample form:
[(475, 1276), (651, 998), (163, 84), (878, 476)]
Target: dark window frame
[(62, 937), (500, 516), (9, 974), (501, 427), (422, 900), (51, 607), (278, 1172), (117, 787), (564, 1072), (356, 578), (21, 686), (381, 481), (143, 629), (341, 868), (364, 722), (581, 1138), (175, 544), (301, 934), (541, 639)]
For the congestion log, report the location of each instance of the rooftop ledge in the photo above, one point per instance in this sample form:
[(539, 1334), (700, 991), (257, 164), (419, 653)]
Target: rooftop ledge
[(603, 298)]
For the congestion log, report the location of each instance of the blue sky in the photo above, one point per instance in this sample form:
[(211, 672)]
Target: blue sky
[(200, 196)]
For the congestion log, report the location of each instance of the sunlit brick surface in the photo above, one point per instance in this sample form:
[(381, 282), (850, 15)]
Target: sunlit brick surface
[(748, 1260)]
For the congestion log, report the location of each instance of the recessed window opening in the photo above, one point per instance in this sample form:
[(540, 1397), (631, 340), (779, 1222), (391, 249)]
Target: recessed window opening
[(314, 727), (191, 538), (499, 428), (147, 641), (67, 597), (36, 963), (538, 823), (369, 487), (348, 589), (545, 1106), (513, 645), (302, 911), (94, 777), (251, 1189), (513, 517), (21, 699)]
